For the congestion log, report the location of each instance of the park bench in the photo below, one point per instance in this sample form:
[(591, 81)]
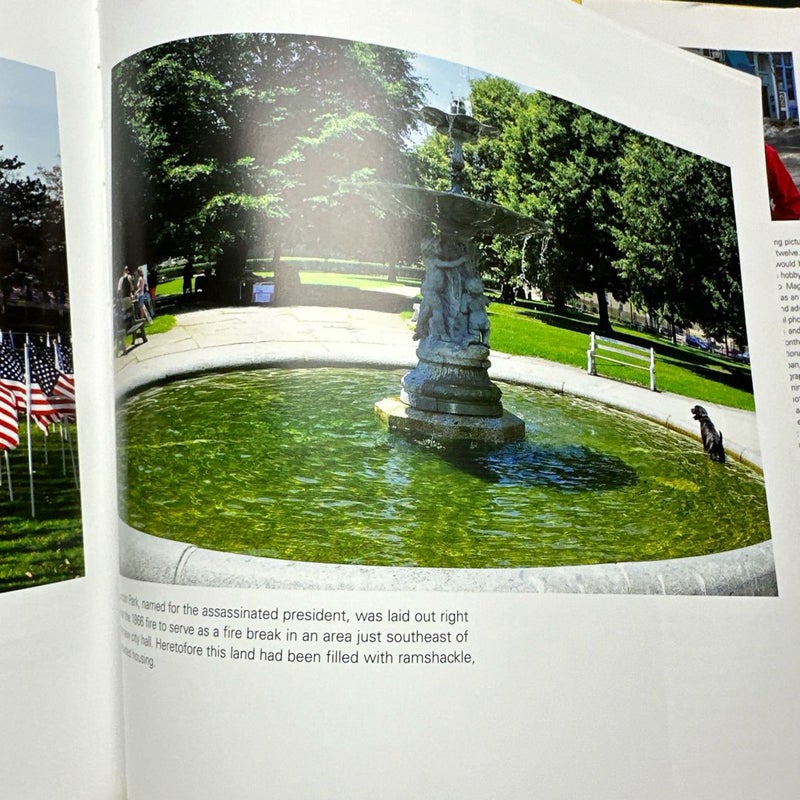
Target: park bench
[(628, 355), (126, 323)]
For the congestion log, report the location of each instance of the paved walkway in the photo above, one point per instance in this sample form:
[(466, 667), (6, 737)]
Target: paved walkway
[(274, 335)]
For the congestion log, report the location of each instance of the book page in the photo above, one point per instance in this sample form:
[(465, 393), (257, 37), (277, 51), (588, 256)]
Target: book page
[(60, 684), (349, 568)]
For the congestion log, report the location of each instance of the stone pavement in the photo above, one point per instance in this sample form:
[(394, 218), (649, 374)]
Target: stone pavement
[(309, 335)]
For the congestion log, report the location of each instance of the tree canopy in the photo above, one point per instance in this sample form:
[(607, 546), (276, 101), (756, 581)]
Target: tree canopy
[(233, 147), (228, 147), (627, 214), (677, 237), (32, 238)]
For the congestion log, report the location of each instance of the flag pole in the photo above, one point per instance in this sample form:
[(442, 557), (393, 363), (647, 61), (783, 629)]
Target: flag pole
[(28, 394), (63, 448), (8, 477), (72, 459), (65, 423)]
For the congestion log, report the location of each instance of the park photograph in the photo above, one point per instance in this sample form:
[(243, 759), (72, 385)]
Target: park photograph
[(779, 111), (41, 538), (388, 321)]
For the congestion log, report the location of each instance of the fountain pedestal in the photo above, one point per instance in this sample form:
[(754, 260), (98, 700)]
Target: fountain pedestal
[(452, 380), (449, 394), (402, 418)]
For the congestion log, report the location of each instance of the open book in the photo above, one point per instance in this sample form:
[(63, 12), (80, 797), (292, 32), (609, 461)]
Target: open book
[(399, 401)]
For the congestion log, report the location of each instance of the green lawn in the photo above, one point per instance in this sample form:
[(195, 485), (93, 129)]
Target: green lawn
[(48, 547), (352, 281), (565, 339), (311, 279), (174, 286), (161, 324)]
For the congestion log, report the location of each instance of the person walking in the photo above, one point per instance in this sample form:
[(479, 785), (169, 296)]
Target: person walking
[(125, 285), (142, 296)]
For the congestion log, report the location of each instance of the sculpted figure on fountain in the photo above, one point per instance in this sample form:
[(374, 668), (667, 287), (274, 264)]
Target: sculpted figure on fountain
[(453, 309)]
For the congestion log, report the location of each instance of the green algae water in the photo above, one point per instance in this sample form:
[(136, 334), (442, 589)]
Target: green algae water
[(293, 464)]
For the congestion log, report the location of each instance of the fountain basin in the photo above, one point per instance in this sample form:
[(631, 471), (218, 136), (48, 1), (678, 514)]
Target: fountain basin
[(430, 575), (297, 336), (748, 571)]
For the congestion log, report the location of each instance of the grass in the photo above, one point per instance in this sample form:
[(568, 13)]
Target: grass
[(313, 279), (564, 338), (48, 547), (365, 283), (174, 286), (161, 324)]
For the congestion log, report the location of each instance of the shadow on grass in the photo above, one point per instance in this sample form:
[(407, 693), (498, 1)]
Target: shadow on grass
[(310, 294), (347, 297)]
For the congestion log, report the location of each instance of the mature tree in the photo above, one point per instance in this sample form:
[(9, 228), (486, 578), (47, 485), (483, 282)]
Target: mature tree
[(432, 157), (557, 162), (31, 224), (677, 237), (499, 103), (561, 166), (229, 147), (53, 183)]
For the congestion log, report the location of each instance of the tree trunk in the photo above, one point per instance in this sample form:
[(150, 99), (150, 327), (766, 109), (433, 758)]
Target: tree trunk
[(603, 322), (231, 267), (286, 278), (507, 293)]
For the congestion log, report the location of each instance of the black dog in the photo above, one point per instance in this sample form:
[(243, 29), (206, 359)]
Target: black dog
[(712, 438)]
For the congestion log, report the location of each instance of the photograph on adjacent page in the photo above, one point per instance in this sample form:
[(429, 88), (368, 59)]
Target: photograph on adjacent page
[(781, 122), (384, 321), (41, 539)]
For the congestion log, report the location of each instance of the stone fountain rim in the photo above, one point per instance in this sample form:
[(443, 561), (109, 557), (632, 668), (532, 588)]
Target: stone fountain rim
[(746, 571)]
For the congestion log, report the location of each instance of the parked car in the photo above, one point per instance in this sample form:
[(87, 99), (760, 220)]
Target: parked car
[(695, 341)]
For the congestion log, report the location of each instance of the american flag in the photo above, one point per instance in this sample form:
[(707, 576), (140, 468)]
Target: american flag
[(66, 379), (12, 375), (59, 388), (44, 377), (64, 357), (9, 420)]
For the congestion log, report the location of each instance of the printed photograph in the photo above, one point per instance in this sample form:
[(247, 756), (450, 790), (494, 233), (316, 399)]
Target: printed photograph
[(388, 321), (41, 538), (781, 122)]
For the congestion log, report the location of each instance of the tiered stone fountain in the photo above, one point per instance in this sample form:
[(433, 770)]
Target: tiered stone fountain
[(449, 394)]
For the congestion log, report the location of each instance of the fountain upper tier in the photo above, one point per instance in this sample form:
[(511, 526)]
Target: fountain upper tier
[(458, 214), (453, 212)]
